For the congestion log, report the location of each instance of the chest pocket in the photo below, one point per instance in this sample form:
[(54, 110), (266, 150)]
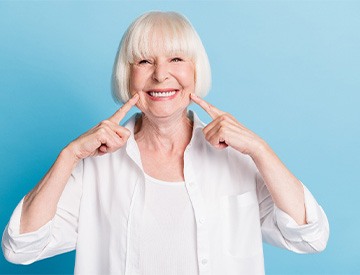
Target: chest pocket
[(241, 225)]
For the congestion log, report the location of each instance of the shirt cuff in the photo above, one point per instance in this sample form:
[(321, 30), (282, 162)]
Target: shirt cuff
[(28, 242), (316, 226)]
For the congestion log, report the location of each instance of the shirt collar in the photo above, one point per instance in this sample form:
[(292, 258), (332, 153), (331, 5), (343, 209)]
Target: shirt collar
[(198, 124)]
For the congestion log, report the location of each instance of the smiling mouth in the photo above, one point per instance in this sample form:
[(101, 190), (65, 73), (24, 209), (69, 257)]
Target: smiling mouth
[(162, 94)]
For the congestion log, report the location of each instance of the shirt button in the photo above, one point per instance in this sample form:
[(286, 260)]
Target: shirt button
[(191, 184), (204, 261), (201, 221)]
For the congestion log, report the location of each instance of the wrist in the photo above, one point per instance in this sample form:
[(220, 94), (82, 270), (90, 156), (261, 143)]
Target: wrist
[(68, 154), (260, 150)]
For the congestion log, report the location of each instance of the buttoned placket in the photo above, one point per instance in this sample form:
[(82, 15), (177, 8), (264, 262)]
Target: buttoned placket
[(132, 265), (197, 201)]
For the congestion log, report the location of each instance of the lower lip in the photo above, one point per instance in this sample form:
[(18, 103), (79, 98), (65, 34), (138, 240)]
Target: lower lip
[(163, 98)]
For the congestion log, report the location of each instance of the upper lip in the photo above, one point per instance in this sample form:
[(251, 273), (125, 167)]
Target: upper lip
[(162, 90)]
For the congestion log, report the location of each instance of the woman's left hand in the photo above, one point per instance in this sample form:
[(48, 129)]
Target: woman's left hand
[(225, 131), (285, 189)]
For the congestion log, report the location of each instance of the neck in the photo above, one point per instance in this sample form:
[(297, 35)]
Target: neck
[(166, 135)]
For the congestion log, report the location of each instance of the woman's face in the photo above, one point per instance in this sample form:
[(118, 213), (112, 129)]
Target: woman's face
[(164, 83)]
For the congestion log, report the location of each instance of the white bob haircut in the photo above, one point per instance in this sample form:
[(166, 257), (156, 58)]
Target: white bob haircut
[(168, 32)]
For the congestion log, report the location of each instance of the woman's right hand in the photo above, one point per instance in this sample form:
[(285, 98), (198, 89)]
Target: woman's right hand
[(106, 137), (40, 205)]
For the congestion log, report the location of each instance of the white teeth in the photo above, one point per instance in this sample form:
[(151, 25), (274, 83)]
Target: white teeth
[(162, 94)]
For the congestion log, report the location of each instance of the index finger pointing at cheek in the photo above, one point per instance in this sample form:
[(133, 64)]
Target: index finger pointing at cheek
[(210, 109), (121, 113)]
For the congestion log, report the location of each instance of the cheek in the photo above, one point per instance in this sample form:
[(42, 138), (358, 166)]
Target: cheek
[(141, 104), (133, 85), (188, 77), (136, 80)]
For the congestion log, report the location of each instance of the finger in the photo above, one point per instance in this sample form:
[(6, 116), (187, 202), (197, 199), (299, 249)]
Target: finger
[(102, 150), (218, 140), (223, 132), (122, 132), (107, 137), (221, 121), (121, 113), (210, 109), (109, 141), (217, 135), (116, 141)]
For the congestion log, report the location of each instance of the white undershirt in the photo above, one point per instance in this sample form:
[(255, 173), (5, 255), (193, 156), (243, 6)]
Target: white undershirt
[(168, 233)]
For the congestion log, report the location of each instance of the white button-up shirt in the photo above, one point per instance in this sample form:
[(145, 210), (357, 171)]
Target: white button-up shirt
[(99, 214)]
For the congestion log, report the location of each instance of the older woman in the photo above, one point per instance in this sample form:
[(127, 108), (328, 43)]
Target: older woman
[(165, 194)]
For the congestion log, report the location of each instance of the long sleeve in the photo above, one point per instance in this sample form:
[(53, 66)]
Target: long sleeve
[(279, 229), (57, 236)]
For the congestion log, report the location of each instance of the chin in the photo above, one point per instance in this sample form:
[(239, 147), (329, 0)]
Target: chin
[(167, 112), (163, 109)]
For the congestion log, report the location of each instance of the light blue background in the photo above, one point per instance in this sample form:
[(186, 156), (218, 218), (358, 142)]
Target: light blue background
[(287, 70)]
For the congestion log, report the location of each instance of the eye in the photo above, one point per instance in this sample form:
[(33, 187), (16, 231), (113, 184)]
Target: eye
[(176, 59), (144, 61)]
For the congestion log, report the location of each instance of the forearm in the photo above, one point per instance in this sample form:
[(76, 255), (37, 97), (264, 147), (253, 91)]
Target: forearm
[(286, 190), (40, 204)]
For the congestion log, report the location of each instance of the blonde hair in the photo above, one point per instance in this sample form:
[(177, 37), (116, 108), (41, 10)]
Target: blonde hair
[(140, 41)]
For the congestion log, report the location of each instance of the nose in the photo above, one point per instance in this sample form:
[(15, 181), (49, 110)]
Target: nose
[(161, 72)]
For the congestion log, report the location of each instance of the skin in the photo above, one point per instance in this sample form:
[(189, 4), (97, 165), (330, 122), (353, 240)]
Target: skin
[(40, 204), (162, 134), (162, 72), (286, 190), (164, 130)]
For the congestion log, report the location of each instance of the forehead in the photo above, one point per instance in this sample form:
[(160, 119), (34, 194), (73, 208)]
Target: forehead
[(160, 39), (161, 53)]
